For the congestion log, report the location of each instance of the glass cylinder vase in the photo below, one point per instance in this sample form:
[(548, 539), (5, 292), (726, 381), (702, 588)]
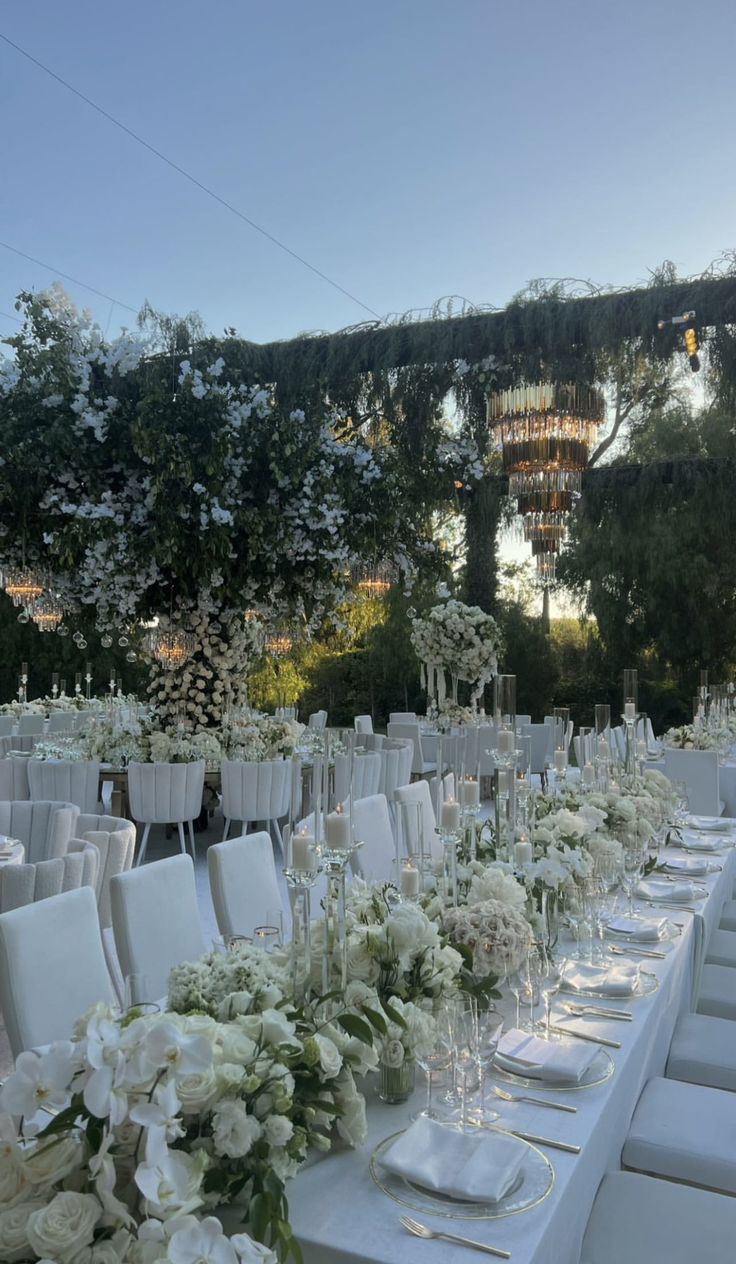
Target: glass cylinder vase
[(396, 1083)]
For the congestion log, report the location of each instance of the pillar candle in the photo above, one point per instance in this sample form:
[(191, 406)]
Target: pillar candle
[(560, 761), (629, 711), (523, 853), (469, 793), (506, 741), (337, 830), (641, 749), (450, 815), (302, 851), (409, 880), (588, 774)]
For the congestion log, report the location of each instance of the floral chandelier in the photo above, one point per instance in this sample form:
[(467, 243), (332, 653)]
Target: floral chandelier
[(545, 432), (170, 648), (47, 613), (22, 586)]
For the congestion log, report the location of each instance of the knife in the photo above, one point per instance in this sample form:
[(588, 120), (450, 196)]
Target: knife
[(582, 1035), (546, 1141)]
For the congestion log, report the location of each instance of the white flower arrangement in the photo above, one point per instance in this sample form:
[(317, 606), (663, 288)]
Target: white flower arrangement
[(707, 737), (460, 639), (450, 715), (496, 935)]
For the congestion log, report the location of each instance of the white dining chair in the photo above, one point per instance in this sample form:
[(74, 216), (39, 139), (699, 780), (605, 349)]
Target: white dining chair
[(699, 771), (363, 724), (684, 1132), (155, 921), (72, 780), (402, 717), (408, 732), (717, 991), (523, 719), (640, 1220), (376, 860), (52, 968), (366, 775), (317, 721), (418, 792), (256, 792), (60, 722), (165, 794), (703, 1051), (372, 741), (114, 838), (30, 725), (14, 778), (7, 724), (484, 741), (44, 828), (542, 744), (24, 884), (243, 882)]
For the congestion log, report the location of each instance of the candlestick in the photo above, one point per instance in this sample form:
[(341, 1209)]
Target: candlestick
[(641, 749), (629, 711), (62, 686), (503, 781), (603, 748)]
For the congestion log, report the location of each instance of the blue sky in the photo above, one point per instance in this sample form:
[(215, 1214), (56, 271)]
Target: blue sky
[(409, 149)]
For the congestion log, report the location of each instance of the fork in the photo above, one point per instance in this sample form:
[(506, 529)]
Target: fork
[(580, 1010), (422, 1231), (635, 952), (533, 1101)]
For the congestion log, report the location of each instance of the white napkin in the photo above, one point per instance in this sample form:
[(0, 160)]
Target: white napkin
[(715, 823), (686, 864), (619, 980), (554, 1061), (657, 889), (479, 1166), (638, 928), (693, 843)]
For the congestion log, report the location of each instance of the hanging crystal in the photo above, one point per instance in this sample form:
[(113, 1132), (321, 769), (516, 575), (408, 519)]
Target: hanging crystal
[(47, 612), (373, 578), (22, 586), (170, 648)]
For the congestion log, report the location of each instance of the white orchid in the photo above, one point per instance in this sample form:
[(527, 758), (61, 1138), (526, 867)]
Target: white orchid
[(40, 1081)]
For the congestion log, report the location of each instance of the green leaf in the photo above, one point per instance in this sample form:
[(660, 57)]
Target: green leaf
[(356, 1027), (394, 1015), (375, 1019)]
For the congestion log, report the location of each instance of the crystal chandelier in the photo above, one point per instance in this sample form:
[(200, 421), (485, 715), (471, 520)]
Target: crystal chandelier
[(545, 432), (373, 578), (279, 642), (47, 612), (170, 648), (22, 586), (250, 615)]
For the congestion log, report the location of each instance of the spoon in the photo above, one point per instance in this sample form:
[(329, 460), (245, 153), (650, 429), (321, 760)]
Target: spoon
[(635, 952), (422, 1231), (580, 1010), (533, 1101)]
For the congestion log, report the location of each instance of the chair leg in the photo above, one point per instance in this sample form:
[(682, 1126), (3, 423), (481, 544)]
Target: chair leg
[(226, 830), (144, 844), (277, 829), (190, 825), (182, 840)]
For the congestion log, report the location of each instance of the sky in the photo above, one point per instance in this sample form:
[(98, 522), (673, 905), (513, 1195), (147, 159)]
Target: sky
[(408, 149)]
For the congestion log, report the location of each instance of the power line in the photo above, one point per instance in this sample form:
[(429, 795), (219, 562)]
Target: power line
[(66, 276), (9, 316), (187, 175)]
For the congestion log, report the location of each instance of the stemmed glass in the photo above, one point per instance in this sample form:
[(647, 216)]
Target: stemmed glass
[(682, 803), (550, 978), (575, 911), (634, 858), (463, 1055), (436, 1057), (485, 1030)]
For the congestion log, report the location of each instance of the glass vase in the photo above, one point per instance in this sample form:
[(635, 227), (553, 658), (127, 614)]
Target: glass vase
[(396, 1084), (550, 917)]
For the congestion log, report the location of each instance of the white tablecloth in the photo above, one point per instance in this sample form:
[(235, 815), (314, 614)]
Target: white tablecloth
[(341, 1217)]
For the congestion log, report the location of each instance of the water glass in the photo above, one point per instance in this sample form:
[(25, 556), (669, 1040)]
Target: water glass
[(634, 858), (551, 972), (485, 1033), (436, 1057)]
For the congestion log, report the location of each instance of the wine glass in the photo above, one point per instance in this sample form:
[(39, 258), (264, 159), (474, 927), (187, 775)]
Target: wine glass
[(682, 803), (436, 1057), (550, 978), (634, 856), (463, 1044), (485, 1033), (575, 911)]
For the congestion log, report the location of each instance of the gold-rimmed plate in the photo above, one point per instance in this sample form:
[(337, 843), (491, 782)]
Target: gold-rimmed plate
[(532, 1185), (598, 1071), (646, 984), (670, 930)]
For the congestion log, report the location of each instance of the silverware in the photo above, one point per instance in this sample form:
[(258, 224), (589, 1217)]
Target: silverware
[(583, 1035), (422, 1231), (533, 1101), (684, 908), (635, 952), (533, 1139), (580, 1010)]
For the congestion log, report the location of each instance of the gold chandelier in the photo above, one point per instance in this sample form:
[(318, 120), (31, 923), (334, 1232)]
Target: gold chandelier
[(47, 613), (279, 642), (22, 586), (545, 431), (373, 579), (171, 648)]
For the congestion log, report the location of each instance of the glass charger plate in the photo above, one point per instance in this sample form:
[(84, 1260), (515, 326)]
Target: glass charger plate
[(665, 898), (600, 1070), (532, 1185), (704, 866), (646, 984), (671, 931)]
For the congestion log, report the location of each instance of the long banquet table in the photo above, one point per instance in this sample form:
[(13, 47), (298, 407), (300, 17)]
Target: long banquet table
[(341, 1217)]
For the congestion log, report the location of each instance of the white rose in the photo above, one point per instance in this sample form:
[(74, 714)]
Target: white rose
[(13, 1185), (66, 1225), (352, 1125), (14, 1244), (392, 1054), (330, 1059), (234, 1131), (51, 1161), (196, 1092), (278, 1130)]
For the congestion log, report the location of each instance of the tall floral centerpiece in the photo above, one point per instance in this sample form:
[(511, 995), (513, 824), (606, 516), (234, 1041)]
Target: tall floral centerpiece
[(461, 640)]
